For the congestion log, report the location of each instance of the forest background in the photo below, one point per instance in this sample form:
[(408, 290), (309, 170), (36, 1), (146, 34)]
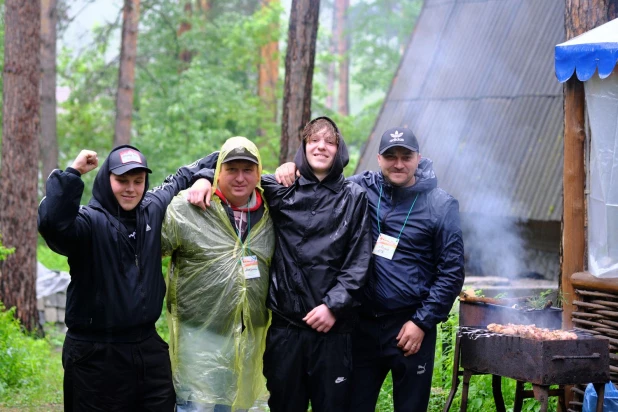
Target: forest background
[(198, 81), (196, 76)]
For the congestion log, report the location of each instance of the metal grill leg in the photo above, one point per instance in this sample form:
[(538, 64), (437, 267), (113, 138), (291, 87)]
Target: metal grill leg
[(496, 388), (519, 396), (464, 391), (456, 374)]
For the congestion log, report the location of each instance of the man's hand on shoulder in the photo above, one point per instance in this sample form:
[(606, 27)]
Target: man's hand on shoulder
[(199, 193), (85, 161), (320, 318), (410, 338), (286, 174)]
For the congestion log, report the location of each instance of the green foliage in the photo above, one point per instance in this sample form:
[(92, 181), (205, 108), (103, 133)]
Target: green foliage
[(31, 372), (380, 30), (539, 301), (182, 110), (51, 259)]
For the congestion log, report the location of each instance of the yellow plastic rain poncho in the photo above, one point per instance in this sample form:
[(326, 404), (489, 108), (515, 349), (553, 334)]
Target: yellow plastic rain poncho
[(209, 300)]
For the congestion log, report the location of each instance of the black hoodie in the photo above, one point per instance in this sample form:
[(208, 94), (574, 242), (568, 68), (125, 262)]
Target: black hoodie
[(323, 244), (117, 287)]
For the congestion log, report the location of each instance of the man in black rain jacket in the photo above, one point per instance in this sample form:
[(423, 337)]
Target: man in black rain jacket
[(322, 253), (416, 274), (113, 357)]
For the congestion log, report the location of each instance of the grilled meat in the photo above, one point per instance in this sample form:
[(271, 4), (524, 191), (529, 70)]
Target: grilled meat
[(531, 332)]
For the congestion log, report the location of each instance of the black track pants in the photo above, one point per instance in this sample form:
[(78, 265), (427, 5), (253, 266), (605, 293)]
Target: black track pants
[(302, 365), (376, 353), (102, 376)]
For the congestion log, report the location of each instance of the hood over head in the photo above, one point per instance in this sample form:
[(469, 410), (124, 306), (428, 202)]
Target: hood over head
[(102, 188), (238, 148), (340, 161)]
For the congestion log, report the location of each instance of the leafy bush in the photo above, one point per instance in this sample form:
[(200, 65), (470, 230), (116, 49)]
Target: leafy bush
[(28, 364)]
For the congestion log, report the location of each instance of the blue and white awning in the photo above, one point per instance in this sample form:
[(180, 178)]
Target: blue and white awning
[(584, 54)]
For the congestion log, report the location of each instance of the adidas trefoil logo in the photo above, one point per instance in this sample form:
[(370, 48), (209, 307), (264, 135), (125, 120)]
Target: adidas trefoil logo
[(396, 137)]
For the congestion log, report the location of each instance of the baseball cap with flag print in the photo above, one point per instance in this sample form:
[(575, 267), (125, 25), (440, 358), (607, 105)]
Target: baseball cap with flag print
[(125, 158)]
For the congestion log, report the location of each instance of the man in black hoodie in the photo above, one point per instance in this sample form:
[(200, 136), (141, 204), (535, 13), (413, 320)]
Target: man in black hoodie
[(322, 252), (321, 258), (113, 358), (416, 274)]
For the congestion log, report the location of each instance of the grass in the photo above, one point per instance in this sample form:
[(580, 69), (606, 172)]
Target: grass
[(31, 373)]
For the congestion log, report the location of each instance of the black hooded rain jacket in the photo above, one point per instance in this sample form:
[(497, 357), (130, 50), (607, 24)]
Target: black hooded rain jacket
[(117, 287), (323, 243)]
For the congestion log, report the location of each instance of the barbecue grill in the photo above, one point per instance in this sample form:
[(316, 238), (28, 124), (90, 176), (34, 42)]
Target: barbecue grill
[(541, 363)]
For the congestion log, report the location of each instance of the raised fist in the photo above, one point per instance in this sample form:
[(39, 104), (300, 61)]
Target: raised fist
[(85, 161)]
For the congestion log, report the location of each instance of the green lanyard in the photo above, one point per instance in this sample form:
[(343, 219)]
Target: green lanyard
[(404, 223)]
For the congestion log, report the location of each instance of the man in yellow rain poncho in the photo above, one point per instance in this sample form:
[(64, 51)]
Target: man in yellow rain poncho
[(218, 282)]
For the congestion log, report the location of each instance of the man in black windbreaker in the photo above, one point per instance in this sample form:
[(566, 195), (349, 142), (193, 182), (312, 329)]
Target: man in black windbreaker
[(322, 253), (416, 274), (113, 358)]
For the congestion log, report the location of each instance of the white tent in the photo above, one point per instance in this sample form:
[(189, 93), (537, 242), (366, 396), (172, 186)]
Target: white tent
[(597, 51)]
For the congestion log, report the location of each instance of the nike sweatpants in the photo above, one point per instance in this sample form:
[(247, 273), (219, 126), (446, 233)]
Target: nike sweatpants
[(301, 365)]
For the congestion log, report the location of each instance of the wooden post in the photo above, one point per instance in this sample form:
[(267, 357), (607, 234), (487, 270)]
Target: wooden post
[(573, 225), (579, 17)]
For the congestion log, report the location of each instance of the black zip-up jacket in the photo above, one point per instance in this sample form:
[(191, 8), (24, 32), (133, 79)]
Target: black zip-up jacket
[(117, 287), (427, 270), (323, 243)]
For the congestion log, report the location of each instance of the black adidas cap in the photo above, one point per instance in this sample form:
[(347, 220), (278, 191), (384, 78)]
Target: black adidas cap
[(398, 137)]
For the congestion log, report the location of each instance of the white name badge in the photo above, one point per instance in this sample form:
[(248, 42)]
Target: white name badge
[(385, 246), (250, 267)]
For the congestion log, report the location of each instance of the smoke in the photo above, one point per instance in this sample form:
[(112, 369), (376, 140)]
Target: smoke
[(483, 179), (494, 246)]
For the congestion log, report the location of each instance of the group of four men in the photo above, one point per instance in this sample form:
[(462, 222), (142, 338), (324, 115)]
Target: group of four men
[(356, 272)]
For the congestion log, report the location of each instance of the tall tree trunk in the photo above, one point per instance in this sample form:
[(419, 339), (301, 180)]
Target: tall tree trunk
[(343, 44), (204, 6), (268, 70), (299, 63), (20, 152), (126, 73), (330, 77), (185, 55), (48, 141), (579, 17)]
